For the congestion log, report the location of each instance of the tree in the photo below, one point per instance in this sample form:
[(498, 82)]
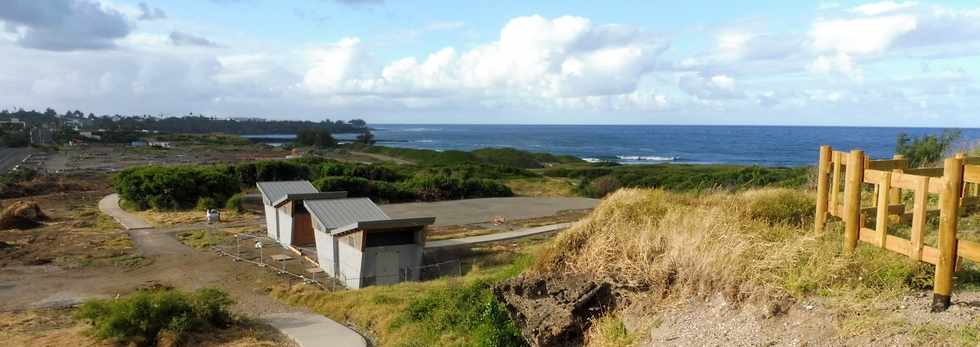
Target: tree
[(316, 137), (927, 149), (366, 138)]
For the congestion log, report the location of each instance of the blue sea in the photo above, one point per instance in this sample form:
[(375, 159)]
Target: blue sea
[(650, 144)]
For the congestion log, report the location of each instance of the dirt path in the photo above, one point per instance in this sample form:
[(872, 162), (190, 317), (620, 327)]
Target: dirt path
[(110, 206)]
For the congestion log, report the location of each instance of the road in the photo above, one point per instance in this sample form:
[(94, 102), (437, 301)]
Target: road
[(460, 212), (10, 157)]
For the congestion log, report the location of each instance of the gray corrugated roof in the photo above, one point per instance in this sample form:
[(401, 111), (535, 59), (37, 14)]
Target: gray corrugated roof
[(275, 191), (334, 213)]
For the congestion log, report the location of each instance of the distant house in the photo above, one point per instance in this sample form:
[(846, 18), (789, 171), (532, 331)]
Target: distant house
[(160, 144), (351, 238), (137, 144)]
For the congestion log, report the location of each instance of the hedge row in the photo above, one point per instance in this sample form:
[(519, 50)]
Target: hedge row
[(184, 187)]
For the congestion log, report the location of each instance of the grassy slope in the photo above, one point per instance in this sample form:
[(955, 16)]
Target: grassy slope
[(751, 246), (443, 312)]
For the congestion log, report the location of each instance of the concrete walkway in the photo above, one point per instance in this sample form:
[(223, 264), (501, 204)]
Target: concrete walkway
[(110, 206), (496, 237), (310, 330)]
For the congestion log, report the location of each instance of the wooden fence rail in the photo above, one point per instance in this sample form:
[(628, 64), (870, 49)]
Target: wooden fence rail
[(956, 183)]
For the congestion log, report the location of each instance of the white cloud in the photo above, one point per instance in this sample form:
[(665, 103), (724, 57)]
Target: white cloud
[(861, 36), (877, 8), (565, 57)]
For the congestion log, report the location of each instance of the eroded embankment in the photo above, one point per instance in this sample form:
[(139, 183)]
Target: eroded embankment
[(646, 250)]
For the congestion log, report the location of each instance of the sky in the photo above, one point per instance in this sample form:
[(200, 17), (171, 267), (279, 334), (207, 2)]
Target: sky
[(853, 63)]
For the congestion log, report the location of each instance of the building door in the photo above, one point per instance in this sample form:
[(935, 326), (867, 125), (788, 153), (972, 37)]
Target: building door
[(386, 268)]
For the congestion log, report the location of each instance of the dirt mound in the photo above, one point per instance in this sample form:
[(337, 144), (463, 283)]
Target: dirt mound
[(555, 311), (22, 215)]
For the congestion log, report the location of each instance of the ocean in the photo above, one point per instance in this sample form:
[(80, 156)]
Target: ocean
[(650, 144)]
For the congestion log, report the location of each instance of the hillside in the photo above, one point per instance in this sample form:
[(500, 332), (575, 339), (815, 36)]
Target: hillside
[(722, 269)]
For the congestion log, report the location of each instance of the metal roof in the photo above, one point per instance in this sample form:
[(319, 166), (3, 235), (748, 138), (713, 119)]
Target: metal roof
[(404, 223), (275, 191), (335, 213), (310, 196)]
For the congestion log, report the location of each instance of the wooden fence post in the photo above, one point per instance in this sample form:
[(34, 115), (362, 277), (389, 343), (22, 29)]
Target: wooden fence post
[(895, 196), (881, 220), (852, 199), (949, 203), (823, 180)]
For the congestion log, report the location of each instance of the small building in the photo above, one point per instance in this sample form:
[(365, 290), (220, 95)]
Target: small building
[(160, 144), (350, 238), (274, 192), (137, 144), (360, 245)]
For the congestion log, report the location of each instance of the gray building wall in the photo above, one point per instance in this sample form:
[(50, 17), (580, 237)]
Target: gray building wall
[(349, 265), (271, 221), (409, 260), (285, 225)]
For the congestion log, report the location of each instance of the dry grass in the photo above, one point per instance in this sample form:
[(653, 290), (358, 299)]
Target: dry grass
[(56, 328), (169, 218), (542, 186), (722, 243)]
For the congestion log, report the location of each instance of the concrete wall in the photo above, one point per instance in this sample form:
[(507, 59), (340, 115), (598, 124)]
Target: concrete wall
[(326, 252), (271, 221), (285, 225), (409, 257), (349, 265)]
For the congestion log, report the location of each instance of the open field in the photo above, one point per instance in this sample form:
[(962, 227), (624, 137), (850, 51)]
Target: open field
[(111, 158)]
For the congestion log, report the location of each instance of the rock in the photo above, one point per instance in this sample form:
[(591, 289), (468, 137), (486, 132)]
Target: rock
[(22, 215), (554, 311)]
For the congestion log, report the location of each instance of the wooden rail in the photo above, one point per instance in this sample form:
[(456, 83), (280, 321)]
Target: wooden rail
[(957, 184)]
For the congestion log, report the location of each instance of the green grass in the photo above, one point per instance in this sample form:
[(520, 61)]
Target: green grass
[(443, 312), (680, 177), (200, 239)]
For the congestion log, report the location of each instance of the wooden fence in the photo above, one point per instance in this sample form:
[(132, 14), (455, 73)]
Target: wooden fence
[(956, 184)]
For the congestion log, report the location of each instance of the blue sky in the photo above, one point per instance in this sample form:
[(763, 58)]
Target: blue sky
[(881, 63)]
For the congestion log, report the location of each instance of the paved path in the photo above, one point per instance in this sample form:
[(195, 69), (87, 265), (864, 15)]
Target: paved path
[(459, 212), (496, 237), (10, 157), (306, 329), (309, 329), (110, 206)]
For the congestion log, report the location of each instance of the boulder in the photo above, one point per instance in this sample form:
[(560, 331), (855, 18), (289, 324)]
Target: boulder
[(22, 215), (555, 311)]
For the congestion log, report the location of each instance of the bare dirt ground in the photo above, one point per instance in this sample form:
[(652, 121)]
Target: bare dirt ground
[(109, 158), (462, 212)]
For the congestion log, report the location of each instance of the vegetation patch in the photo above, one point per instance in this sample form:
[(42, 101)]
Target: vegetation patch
[(148, 317)]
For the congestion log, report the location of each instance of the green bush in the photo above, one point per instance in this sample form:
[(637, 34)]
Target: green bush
[(782, 206), (141, 317), (234, 203), (206, 203), (927, 149), (354, 186), (471, 310), (315, 137), (434, 187), (520, 159), (175, 187), (484, 188)]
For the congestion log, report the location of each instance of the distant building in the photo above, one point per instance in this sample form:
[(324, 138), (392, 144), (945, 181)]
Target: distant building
[(89, 135), (160, 144), (137, 144)]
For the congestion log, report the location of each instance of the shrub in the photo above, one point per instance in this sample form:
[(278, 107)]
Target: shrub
[(485, 188), (315, 137), (206, 203), (175, 187), (434, 187), (141, 317), (234, 203), (354, 186), (602, 186), (775, 206), (470, 308), (927, 149)]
